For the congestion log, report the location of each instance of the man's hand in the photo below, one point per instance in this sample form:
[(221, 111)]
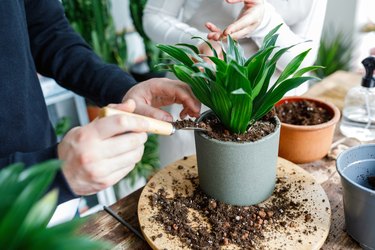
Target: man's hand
[(249, 19), (101, 153), (152, 94)]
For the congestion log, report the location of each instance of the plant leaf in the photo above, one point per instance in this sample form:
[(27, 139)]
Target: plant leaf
[(292, 66)]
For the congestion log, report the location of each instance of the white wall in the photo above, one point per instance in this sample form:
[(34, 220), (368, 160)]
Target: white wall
[(349, 16), (340, 15)]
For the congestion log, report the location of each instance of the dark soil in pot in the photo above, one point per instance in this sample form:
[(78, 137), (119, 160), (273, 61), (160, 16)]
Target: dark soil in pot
[(218, 131), (302, 113), (371, 181)]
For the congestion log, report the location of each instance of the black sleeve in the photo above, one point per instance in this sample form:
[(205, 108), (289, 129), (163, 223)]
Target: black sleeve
[(62, 54)]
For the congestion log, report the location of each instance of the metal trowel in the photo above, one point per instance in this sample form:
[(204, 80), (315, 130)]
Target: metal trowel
[(156, 126)]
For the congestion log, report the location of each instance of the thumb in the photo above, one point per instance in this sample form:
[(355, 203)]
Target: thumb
[(156, 113)]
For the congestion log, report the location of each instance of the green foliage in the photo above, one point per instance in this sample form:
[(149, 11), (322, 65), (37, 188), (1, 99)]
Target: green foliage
[(235, 88), (63, 125), (335, 53), (25, 213), (92, 19), (149, 163)]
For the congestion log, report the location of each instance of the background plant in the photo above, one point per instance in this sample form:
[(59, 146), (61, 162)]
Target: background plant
[(25, 211), (335, 53), (237, 89), (92, 19)]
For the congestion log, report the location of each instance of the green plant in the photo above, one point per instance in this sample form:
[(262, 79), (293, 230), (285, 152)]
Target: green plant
[(92, 19), (335, 53), (237, 89), (63, 125), (25, 214), (149, 163)]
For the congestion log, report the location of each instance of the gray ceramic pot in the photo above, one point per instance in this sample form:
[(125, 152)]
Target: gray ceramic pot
[(354, 166), (237, 173)]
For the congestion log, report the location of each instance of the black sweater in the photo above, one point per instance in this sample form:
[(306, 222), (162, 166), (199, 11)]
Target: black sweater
[(35, 37)]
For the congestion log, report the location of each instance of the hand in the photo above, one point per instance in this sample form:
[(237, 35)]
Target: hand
[(152, 94), (249, 19), (102, 152), (206, 50)]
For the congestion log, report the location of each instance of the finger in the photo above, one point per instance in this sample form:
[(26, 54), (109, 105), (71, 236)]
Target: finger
[(156, 113), (128, 105), (216, 36), (212, 27), (121, 144), (186, 112), (243, 33), (239, 25), (118, 167), (234, 1), (192, 104), (107, 127)]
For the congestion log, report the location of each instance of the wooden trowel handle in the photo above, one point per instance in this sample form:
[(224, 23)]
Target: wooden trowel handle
[(156, 126)]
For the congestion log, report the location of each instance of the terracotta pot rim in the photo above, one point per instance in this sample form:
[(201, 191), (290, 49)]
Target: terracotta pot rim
[(333, 121), (202, 134)]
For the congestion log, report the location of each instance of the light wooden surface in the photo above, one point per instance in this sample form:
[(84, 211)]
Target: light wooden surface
[(304, 190), (332, 88)]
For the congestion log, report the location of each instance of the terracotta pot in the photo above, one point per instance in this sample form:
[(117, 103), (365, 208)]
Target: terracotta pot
[(238, 173), (302, 144)]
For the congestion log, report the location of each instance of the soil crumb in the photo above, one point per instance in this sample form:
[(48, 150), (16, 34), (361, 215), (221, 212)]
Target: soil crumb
[(188, 123), (302, 113)]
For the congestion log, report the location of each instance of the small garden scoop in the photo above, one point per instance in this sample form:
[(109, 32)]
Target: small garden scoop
[(156, 126)]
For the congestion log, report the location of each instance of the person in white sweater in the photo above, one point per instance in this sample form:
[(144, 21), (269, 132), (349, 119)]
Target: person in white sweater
[(248, 21)]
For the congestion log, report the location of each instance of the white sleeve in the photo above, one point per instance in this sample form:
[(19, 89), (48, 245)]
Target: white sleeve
[(307, 31), (162, 25)]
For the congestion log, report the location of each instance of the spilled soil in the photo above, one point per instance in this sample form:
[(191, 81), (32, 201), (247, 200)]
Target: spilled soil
[(217, 224)]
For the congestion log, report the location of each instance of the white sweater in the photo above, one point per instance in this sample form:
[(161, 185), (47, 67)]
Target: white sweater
[(176, 21)]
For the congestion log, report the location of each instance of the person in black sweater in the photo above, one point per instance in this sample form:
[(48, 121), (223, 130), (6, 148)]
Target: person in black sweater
[(36, 37)]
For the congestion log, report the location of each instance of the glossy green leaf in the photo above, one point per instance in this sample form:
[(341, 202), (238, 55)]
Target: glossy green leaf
[(242, 107), (177, 54), (221, 103), (292, 66), (198, 85)]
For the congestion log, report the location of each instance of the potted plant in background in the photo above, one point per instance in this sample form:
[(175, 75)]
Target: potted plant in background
[(25, 212), (307, 128), (335, 53), (242, 169)]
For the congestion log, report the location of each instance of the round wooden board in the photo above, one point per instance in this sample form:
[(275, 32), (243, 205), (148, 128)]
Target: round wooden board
[(312, 195)]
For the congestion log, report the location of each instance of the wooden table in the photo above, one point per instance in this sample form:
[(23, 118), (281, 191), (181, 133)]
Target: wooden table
[(332, 88)]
